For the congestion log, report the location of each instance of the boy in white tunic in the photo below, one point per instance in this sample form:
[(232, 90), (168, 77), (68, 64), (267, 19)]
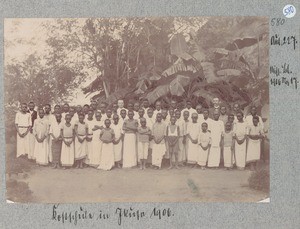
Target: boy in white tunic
[(144, 133), (23, 126), (97, 143), (205, 143), (56, 140), (255, 134), (186, 121), (228, 146), (192, 135), (81, 130), (159, 147), (182, 130), (107, 137), (89, 138), (172, 137), (217, 130), (118, 142), (240, 136), (67, 149), (40, 131)]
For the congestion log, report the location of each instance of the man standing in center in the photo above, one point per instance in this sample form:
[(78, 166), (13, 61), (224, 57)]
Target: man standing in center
[(217, 131), (130, 127), (159, 146)]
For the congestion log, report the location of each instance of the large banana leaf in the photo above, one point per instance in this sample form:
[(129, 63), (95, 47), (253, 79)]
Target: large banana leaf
[(179, 47), (179, 66), (178, 84), (158, 92)]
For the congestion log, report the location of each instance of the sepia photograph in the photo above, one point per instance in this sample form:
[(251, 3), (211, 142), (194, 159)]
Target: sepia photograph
[(137, 109)]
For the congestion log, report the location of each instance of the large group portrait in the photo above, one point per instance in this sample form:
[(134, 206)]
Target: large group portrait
[(158, 109)]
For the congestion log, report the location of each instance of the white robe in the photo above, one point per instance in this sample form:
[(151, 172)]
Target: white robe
[(41, 149), (217, 130), (240, 130), (23, 121), (117, 148), (193, 129)]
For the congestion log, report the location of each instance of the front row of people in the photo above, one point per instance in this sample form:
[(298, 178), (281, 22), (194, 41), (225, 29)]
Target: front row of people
[(107, 143)]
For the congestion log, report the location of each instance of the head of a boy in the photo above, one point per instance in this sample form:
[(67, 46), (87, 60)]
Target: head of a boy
[(199, 109), (173, 120), (143, 122), (130, 114), (102, 108), (216, 115), (41, 113), (68, 118), (66, 108), (194, 117), (81, 117), (240, 116), (228, 126), (123, 113), (158, 117), (231, 118), (107, 123), (204, 127), (90, 114), (116, 118), (136, 106), (47, 109), (158, 105), (177, 114), (223, 110), (141, 112), (24, 107), (108, 113), (58, 117), (150, 112), (188, 104), (253, 110), (78, 108), (186, 115), (31, 106), (146, 103), (121, 103), (98, 115), (205, 114), (164, 113), (115, 107), (255, 120), (171, 112), (130, 106)]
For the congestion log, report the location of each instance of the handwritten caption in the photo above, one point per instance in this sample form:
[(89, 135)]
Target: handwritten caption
[(282, 75), (119, 215)]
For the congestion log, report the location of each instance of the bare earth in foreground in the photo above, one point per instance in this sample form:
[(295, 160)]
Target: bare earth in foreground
[(134, 185)]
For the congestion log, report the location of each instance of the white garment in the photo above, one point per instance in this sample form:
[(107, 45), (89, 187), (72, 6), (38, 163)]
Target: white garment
[(24, 122)]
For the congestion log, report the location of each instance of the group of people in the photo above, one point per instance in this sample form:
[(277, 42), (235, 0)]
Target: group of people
[(115, 136)]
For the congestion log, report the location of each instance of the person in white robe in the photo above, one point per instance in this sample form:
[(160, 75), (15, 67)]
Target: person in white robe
[(228, 146), (188, 107), (192, 134), (159, 146), (41, 131), (255, 134), (217, 130), (249, 118), (130, 126), (81, 129), (240, 136), (204, 141), (118, 141), (23, 125), (67, 149), (95, 155), (186, 115), (107, 137), (34, 115), (89, 137), (182, 132), (56, 139)]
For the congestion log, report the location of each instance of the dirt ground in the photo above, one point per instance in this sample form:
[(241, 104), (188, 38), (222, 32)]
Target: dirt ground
[(133, 185)]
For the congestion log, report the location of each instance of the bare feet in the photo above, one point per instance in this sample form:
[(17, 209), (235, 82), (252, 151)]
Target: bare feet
[(170, 167)]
